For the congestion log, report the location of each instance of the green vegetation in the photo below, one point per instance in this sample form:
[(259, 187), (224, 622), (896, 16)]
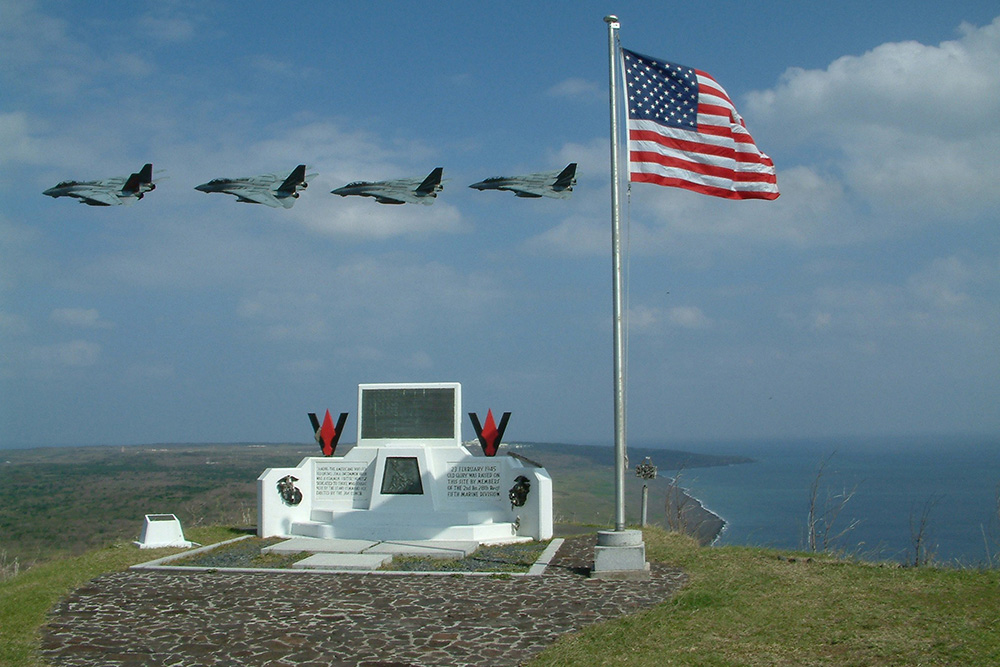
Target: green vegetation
[(517, 557), (244, 553), (752, 606), (27, 597), (82, 498)]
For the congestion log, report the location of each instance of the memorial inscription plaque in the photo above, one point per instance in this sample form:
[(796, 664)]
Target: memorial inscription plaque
[(343, 481), (474, 481)]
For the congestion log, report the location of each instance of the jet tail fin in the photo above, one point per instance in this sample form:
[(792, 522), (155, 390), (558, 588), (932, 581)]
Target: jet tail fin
[(296, 178), (566, 178), (432, 183), (142, 177)]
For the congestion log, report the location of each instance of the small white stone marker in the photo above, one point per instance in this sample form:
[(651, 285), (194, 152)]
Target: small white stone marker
[(162, 530)]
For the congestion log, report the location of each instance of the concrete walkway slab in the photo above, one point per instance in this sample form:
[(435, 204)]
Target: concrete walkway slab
[(315, 545), (325, 561), (431, 548)]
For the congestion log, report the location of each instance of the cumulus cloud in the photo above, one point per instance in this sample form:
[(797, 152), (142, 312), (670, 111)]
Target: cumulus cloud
[(952, 294), (84, 318), (71, 354), (646, 319), (13, 324), (579, 89), (870, 147), (61, 64), (911, 129), (167, 28)]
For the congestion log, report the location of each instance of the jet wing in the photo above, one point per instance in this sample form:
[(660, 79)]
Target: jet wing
[(258, 196), (101, 197), (398, 192)]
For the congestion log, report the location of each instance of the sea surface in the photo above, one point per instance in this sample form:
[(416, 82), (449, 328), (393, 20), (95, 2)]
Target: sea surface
[(894, 480)]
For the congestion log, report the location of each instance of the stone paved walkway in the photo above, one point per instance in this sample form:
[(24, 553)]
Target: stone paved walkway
[(365, 620)]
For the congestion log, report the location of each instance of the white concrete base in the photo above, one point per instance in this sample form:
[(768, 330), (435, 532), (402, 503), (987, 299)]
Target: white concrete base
[(326, 561), (432, 548), (620, 555), (298, 545), (440, 526), (162, 530)]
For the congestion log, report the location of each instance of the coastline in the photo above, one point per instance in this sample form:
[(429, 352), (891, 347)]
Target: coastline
[(690, 516)]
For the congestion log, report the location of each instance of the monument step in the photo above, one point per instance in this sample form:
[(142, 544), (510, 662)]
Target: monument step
[(441, 517), (363, 528), (434, 548), (328, 561)]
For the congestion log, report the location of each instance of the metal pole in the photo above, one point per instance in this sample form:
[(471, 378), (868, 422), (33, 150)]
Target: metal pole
[(645, 502), (616, 269)]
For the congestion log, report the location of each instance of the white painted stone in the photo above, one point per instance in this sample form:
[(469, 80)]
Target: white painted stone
[(162, 530)]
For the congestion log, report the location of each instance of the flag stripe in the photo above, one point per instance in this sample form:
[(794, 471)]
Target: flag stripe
[(703, 168), (683, 131), (697, 144), (687, 184)]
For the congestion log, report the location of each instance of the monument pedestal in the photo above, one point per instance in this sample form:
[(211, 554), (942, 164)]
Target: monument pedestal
[(620, 554), (408, 478)]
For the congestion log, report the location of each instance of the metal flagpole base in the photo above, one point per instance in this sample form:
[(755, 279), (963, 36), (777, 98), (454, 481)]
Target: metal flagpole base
[(620, 554)]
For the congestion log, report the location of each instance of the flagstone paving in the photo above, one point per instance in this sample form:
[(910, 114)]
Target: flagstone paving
[(365, 620)]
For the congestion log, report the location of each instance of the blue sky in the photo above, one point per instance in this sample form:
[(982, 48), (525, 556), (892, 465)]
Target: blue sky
[(864, 301)]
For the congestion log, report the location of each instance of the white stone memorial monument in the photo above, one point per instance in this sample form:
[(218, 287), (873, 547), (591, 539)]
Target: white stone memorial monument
[(409, 477)]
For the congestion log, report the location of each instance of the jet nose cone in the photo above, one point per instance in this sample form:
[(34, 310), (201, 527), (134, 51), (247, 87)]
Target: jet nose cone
[(202, 188), (50, 192), (477, 186)]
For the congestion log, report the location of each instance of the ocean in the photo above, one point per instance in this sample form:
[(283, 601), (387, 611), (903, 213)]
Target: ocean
[(766, 503)]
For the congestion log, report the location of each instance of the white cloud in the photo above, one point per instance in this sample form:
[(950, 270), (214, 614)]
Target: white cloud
[(949, 294), (688, 317), (60, 64), (167, 28), (13, 324), (84, 318), (646, 319), (73, 354), (151, 372), (578, 89), (912, 129)]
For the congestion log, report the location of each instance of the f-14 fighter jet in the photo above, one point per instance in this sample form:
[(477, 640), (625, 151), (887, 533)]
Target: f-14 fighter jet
[(399, 191), (107, 192), (271, 189), (557, 184)]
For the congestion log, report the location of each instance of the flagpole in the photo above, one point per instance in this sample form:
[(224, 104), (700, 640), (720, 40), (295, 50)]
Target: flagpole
[(616, 269)]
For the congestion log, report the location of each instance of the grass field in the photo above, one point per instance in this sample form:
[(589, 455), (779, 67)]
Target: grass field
[(742, 606), (752, 606)]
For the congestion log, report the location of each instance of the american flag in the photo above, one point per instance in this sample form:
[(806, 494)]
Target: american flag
[(684, 132)]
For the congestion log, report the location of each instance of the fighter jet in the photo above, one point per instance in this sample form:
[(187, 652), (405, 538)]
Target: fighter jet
[(271, 189), (557, 184), (107, 192), (399, 191)]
